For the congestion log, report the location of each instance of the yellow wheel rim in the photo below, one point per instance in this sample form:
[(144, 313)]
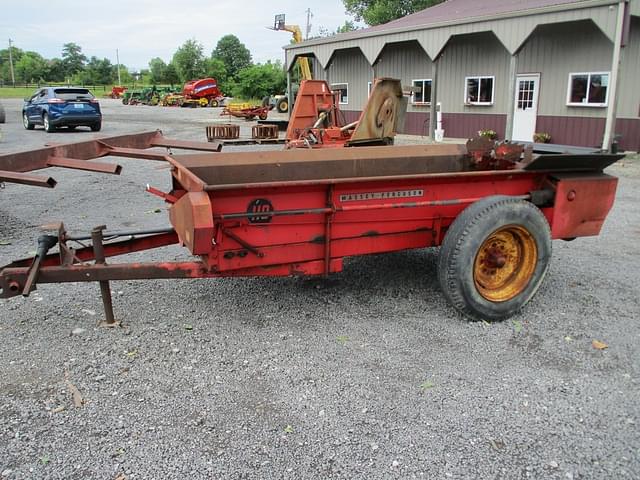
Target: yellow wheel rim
[(505, 263)]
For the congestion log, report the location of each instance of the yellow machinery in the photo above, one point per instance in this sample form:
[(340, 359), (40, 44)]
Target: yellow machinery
[(279, 24)]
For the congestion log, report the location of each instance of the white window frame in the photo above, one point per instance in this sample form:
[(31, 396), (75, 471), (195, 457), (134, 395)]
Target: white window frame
[(479, 78), (333, 89), (413, 95), (587, 104)]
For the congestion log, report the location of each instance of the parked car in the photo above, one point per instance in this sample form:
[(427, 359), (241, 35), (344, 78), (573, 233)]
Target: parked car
[(54, 107)]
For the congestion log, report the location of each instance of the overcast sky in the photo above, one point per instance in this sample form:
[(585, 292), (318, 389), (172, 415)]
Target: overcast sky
[(143, 29)]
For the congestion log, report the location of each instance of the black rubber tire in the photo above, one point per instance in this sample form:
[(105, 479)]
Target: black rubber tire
[(96, 127), (266, 101), (47, 125), (2, 114), (465, 237), (25, 121), (283, 105), (125, 101), (213, 103)]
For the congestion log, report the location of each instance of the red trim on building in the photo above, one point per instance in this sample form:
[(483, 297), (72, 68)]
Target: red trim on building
[(629, 128), (466, 125), (580, 131), (589, 131)]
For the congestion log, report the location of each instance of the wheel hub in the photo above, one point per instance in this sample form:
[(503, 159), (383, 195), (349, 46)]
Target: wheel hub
[(505, 263)]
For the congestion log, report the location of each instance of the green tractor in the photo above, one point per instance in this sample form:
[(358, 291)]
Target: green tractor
[(145, 96)]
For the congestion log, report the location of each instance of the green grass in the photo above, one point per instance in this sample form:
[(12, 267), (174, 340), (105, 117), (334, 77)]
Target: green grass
[(19, 92), (23, 92)]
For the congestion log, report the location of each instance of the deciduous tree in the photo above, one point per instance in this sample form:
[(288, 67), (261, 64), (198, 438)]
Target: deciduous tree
[(375, 12), (158, 70), (31, 67), (233, 53), (72, 58), (189, 60)]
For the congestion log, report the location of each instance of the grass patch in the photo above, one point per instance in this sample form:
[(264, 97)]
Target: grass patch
[(18, 92)]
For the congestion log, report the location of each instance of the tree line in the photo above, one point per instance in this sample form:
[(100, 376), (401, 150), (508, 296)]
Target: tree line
[(230, 62)]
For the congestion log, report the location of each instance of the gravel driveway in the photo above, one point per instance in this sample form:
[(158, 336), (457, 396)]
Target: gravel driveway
[(367, 375)]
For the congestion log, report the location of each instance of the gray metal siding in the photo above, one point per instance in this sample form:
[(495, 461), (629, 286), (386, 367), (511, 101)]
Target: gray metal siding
[(318, 72), (629, 92), (511, 31), (555, 51), (406, 61), (478, 54), (351, 67)]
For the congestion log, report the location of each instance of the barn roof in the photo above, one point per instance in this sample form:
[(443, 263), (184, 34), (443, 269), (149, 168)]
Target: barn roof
[(457, 12)]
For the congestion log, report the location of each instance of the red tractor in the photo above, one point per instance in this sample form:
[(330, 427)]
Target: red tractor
[(204, 91)]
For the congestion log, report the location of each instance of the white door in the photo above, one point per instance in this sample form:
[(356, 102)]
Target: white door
[(526, 107)]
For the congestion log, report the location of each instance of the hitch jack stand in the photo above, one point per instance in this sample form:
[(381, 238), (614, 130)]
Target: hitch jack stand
[(105, 289)]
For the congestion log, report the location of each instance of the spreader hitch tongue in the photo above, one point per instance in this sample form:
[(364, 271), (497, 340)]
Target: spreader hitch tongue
[(45, 243)]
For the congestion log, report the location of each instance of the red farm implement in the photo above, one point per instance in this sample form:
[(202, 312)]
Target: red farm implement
[(493, 212), (248, 113), (204, 91), (317, 121)]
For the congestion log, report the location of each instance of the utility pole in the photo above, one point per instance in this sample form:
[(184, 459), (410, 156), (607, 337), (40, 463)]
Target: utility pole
[(308, 28), (118, 62), (13, 78)]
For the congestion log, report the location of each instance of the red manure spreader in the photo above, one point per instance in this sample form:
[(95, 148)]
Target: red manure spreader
[(492, 210)]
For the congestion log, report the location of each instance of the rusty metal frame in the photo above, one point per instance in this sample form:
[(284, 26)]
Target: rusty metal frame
[(14, 166)]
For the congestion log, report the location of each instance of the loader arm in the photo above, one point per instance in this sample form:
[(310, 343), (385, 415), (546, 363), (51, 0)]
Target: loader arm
[(305, 70)]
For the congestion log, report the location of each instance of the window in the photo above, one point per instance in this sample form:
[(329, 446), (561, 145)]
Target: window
[(479, 90), (526, 89), (588, 89), (343, 90), (73, 93), (421, 92), (369, 87)]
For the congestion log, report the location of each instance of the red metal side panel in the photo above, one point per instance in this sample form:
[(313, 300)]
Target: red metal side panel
[(192, 218), (356, 218), (582, 203)]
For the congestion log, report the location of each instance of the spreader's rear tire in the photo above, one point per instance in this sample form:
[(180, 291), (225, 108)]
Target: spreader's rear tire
[(494, 257)]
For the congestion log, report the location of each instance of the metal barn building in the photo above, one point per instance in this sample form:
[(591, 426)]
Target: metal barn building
[(569, 68)]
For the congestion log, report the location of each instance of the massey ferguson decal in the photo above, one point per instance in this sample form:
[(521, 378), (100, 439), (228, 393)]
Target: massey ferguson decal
[(258, 206), (354, 197)]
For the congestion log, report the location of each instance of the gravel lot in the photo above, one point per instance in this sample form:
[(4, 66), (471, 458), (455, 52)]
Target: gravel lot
[(367, 375)]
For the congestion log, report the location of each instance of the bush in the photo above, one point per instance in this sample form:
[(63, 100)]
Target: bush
[(258, 81), (488, 133), (541, 137)]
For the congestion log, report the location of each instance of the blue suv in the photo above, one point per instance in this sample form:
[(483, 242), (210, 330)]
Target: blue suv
[(54, 107)]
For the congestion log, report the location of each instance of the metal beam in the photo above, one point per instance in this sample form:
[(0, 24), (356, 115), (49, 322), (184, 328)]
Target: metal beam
[(613, 80), (511, 92), (76, 164), (27, 179)]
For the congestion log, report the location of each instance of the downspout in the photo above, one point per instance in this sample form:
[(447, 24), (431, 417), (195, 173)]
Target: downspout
[(434, 99), (613, 80)]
